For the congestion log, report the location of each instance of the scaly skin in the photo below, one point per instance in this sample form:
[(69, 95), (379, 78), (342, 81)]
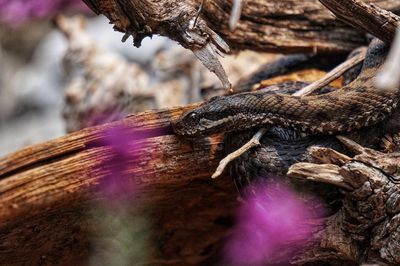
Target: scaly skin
[(355, 106)]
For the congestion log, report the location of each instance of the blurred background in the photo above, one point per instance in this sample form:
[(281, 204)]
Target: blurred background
[(63, 72)]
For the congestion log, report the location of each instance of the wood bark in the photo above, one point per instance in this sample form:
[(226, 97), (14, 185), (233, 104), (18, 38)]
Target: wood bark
[(366, 229), (47, 193), (379, 22), (286, 26)]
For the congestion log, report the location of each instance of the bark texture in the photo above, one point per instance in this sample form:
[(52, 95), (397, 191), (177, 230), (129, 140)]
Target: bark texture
[(367, 227), (370, 18), (279, 26), (47, 192)]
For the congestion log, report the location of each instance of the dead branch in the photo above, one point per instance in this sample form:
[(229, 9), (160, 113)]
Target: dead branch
[(274, 26), (306, 27), (253, 142), (47, 192), (333, 74), (319, 84), (366, 228), (369, 18)]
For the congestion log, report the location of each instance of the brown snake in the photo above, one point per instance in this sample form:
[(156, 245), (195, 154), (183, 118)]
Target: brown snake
[(355, 106)]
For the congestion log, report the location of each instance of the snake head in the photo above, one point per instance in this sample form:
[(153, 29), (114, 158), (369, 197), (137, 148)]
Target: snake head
[(202, 121), (187, 124), (218, 115)]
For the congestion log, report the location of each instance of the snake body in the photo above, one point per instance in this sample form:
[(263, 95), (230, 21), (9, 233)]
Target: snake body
[(355, 106), (280, 148), (359, 110)]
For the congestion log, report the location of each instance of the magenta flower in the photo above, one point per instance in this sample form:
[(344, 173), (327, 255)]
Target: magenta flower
[(271, 220), (15, 12), (117, 185), (125, 146)]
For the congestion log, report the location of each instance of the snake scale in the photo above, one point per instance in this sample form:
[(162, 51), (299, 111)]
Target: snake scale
[(355, 106), (358, 109)]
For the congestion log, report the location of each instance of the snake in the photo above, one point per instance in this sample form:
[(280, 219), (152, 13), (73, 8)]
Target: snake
[(280, 148), (357, 105), (358, 110)]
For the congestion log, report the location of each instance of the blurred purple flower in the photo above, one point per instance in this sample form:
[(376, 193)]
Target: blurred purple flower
[(270, 220), (117, 185), (15, 12)]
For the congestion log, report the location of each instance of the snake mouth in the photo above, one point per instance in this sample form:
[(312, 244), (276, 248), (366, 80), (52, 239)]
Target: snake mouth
[(206, 127)]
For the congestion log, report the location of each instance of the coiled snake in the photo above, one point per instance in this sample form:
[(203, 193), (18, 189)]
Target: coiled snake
[(358, 105), (355, 106)]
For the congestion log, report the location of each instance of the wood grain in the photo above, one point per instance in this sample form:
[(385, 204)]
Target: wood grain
[(284, 26), (47, 192)]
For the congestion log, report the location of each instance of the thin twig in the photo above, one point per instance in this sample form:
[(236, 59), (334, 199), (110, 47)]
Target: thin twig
[(255, 141), (333, 74), (389, 76), (198, 13), (235, 14), (328, 78)]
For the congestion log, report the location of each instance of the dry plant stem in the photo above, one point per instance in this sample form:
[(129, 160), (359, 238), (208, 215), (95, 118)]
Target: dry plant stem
[(333, 74), (235, 14), (366, 17), (255, 141), (389, 77)]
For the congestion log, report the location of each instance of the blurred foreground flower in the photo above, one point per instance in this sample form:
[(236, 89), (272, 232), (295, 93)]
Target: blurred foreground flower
[(117, 185), (271, 220), (15, 12), (122, 233)]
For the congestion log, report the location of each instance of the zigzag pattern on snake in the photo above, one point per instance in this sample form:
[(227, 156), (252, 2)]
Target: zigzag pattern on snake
[(357, 105)]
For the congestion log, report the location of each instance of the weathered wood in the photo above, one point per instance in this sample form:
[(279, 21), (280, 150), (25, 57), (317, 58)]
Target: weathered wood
[(284, 26), (370, 18), (366, 228), (46, 198), (47, 191)]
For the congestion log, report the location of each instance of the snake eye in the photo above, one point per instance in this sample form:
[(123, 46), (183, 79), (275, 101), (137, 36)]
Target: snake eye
[(213, 98), (192, 115)]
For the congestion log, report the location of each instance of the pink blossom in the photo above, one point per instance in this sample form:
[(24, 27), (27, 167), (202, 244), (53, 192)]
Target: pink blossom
[(20, 11), (117, 185), (272, 219), (125, 146)]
